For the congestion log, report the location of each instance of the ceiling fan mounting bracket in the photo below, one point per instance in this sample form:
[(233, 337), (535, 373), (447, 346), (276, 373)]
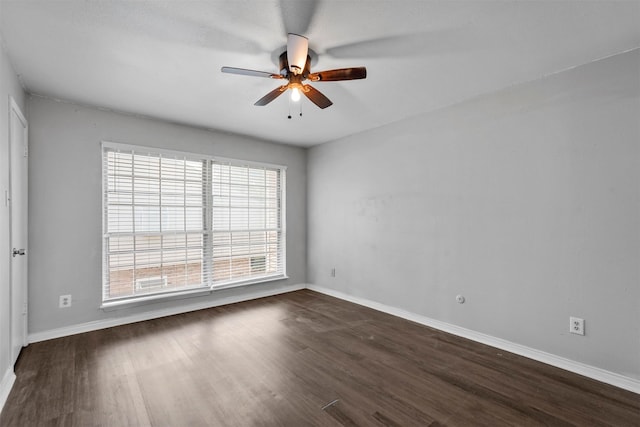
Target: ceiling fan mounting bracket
[(285, 70)]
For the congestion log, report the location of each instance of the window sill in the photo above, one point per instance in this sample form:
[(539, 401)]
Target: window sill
[(190, 293), (253, 281), (156, 298)]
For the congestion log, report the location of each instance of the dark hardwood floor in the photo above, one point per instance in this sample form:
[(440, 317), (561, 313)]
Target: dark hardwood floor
[(299, 359)]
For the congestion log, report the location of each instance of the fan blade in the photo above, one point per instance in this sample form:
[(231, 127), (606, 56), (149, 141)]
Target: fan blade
[(411, 45), (253, 73), (339, 74), (168, 23), (316, 97), (271, 96), (297, 15)]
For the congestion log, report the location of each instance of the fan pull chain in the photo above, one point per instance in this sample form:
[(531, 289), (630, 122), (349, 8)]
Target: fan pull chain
[(300, 102)]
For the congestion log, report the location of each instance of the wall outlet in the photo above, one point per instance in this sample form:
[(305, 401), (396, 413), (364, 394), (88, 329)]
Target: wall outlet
[(65, 301), (576, 325)]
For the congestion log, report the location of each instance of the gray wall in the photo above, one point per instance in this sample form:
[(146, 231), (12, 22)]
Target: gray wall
[(66, 206), (9, 86), (525, 201)]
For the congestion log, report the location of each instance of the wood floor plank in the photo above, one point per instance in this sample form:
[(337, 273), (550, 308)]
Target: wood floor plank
[(298, 359)]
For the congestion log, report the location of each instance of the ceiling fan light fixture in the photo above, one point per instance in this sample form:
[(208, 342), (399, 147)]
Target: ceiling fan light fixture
[(295, 94), (297, 50)]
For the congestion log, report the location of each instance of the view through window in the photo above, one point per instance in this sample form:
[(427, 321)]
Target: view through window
[(177, 221)]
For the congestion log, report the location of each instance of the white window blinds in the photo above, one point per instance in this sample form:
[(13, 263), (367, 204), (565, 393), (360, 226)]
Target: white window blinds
[(177, 221)]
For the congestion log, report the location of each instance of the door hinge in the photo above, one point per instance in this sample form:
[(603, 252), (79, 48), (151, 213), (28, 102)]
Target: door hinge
[(7, 199)]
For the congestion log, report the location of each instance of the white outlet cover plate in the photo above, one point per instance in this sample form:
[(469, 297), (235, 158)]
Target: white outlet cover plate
[(576, 325), (65, 301)]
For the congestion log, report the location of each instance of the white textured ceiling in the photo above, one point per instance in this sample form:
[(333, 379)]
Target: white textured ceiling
[(162, 58)]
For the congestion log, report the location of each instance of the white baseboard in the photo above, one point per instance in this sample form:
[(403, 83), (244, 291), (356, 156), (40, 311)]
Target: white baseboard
[(154, 314), (592, 372), (8, 379)]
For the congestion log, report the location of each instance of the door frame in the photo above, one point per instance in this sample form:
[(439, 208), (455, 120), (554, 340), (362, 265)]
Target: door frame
[(21, 317)]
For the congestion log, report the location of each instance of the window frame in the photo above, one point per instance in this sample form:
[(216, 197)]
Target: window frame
[(207, 229)]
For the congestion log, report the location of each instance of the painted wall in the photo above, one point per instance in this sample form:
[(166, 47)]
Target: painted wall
[(65, 234), (9, 86), (525, 201)]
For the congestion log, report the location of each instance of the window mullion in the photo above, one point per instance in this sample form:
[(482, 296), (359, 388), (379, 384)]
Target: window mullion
[(281, 258), (248, 226), (207, 235), (133, 218), (264, 210), (106, 252), (185, 276), (231, 252), (160, 215)]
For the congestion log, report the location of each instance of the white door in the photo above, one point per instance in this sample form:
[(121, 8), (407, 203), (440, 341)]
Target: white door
[(18, 151)]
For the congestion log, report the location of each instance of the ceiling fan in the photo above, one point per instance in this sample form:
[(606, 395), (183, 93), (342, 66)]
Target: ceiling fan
[(295, 67)]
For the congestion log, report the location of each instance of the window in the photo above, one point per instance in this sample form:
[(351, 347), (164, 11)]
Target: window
[(176, 222)]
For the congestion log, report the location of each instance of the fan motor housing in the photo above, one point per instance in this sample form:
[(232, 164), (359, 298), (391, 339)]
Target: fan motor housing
[(284, 65)]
